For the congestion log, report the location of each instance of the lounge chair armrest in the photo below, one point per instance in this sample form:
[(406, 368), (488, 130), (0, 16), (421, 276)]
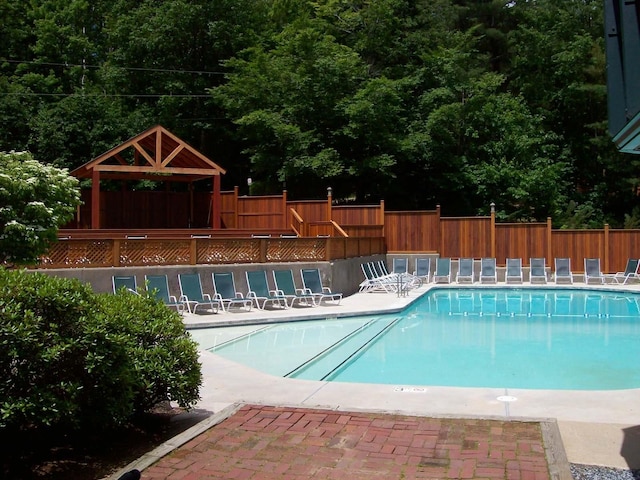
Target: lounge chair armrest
[(251, 295), (207, 297), (172, 298), (300, 291), (276, 293), (307, 291), (184, 298), (326, 290), (217, 297), (239, 295)]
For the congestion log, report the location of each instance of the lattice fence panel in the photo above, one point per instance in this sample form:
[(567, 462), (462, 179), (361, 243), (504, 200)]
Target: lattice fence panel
[(296, 250), (227, 251), (154, 252), (78, 253)]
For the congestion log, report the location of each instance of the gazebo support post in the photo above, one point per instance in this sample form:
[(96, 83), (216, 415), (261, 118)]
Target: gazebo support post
[(190, 222), (216, 204), (95, 199)]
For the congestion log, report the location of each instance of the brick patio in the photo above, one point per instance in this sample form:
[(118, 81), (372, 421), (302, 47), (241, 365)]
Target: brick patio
[(264, 443)]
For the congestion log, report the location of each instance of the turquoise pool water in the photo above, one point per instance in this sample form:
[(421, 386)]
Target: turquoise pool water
[(511, 338)]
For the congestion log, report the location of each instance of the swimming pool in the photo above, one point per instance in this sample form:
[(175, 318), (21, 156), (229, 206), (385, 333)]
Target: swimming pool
[(511, 338)]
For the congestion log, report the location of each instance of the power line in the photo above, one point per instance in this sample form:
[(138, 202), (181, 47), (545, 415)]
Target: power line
[(133, 95), (137, 69)]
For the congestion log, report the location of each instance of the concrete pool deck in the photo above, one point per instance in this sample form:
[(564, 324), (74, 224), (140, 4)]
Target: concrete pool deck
[(596, 427)]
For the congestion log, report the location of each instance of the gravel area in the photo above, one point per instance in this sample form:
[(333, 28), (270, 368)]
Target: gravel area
[(592, 472)]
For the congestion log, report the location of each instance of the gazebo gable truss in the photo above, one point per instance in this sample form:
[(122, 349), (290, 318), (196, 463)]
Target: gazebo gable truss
[(157, 155)]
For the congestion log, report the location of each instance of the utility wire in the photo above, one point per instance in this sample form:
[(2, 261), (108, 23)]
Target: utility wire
[(137, 69), (133, 95)]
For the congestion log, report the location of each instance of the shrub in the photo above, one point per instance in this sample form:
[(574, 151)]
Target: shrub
[(74, 359), (164, 357), (35, 200)]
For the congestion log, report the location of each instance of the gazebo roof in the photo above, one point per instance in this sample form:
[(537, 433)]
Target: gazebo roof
[(155, 154)]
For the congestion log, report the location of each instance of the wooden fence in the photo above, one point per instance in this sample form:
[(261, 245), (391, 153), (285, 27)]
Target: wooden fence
[(477, 237), (325, 231)]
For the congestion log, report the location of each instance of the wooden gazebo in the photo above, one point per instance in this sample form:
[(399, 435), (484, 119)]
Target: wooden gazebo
[(158, 155)]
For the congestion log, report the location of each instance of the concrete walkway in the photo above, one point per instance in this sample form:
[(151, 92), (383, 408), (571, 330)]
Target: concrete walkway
[(595, 427)]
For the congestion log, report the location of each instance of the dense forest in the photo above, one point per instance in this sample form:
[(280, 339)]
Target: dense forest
[(420, 102)]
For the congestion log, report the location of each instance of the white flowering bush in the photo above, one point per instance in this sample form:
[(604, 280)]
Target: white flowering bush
[(35, 201)]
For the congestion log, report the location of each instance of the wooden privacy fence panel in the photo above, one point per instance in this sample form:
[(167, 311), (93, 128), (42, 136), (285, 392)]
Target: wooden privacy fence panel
[(412, 231), (520, 240), (352, 247), (228, 209), (363, 230), (357, 215), (578, 245), (320, 229), (623, 244), (465, 237), (261, 212), (310, 211)]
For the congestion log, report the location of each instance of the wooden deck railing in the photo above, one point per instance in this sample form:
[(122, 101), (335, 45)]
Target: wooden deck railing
[(72, 252)]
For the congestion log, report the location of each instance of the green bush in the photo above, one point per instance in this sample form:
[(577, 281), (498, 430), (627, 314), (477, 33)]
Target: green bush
[(163, 355), (74, 359)]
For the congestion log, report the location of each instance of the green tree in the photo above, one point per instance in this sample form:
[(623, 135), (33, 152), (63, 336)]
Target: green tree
[(35, 200), (163, 57), (558, 67), (288, 103)]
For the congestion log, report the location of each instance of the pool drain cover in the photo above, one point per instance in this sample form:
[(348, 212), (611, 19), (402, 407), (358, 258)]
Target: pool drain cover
[(506, 398), (410, 389)]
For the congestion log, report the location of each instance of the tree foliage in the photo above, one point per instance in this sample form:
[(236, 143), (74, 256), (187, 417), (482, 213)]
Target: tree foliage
[(421, 102), (35, 200)]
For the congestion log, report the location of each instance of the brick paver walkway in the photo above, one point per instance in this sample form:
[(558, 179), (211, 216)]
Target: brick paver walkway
[(264, 443)]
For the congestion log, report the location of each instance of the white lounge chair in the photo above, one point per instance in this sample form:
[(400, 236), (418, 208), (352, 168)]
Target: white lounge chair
[(158, 286), (465, 270), (537, 270), (313, 286), (563, 270), (443, 270), (259, 292), (404, 280), (592, 271), (423, 269), (285, 286), (375, 280), (513, 272), (224, 289), (488, 271), (630, 271), (400, 266), (191, 293), (128, 282)]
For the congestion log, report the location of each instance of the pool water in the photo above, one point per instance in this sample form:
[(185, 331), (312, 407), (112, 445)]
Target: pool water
[(511, 338)]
